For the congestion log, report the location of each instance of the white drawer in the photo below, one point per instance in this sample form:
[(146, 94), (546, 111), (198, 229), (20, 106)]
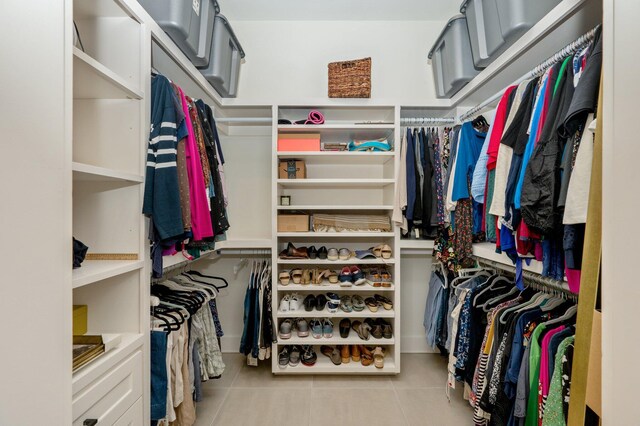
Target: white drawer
[(111, 395), (134, 415)]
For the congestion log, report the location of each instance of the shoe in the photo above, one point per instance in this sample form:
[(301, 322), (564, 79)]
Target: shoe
[(334, 302), (309, 303), (327, 328), (385, 279), (296, 276), (345, 327), (284, 303), (344, 254), (322, 253), (332, 353), (284, 277), (355, 353), (313, 253), (385, 302), (378, 357), (306, 276), (377, 250), (387, 331), (358, 303), (321, 302), (345, 304), (374, 278), (345, 354), (302, 327), (362, 329), (308, 356), (291, 252), (345, 277), (372, 304), (285, 329), (294, 302), (385, 252), (283, 357), (366, 357), (357, 276), (321, 277), (376, 330), (294, 356), (333, 277), (332, 254), (316, 328), (315, 276)]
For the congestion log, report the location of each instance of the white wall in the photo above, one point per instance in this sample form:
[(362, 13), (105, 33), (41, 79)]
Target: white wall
[(287, 61)]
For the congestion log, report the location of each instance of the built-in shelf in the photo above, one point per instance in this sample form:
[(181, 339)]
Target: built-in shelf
[(366, 313), (336, 234), (334, 183), (293, 128), (129, 343), (93, 271), (87, 172), (93, 80), (351, 261), (334, 207), (313, 288), (178, 260), (488, 251), (324, 366), (352, 339), (339, 157), (244, 244), (416, 244)]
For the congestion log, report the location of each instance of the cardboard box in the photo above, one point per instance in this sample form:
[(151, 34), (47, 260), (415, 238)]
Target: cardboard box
[(79, 320), (293, 223), (299, 142), (292, 169), (594, 377)]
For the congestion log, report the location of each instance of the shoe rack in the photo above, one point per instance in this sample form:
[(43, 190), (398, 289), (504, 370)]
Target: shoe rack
[(338, 183)]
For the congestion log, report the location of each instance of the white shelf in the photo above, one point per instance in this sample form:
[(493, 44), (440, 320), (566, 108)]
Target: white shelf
[(352, 339), (336, 234), (130, 343), (339, 157), (314, 128), (92, 80), (366, 313), (334, 183), (244, 244), (335, 288), (416, 244), (87, 172), (488, 251), (92, 271), (324, 366), (178, 260), (334, 207), (352, 261)]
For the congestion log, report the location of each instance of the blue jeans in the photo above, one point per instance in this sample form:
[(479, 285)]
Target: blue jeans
[(159, 383)]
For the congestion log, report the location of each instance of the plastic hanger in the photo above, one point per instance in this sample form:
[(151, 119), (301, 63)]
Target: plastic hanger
[(571, 312), (211, 277)]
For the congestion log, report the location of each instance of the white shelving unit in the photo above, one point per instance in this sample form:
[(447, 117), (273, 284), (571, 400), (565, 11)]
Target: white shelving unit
[(340, 183)]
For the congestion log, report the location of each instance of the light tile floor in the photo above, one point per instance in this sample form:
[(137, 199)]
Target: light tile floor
[(252, 396)]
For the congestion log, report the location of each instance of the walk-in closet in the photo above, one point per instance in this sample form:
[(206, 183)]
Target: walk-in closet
[(239, 212)]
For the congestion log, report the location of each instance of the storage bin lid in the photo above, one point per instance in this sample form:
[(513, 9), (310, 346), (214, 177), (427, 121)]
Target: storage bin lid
[(216, 6), (463, 6), (231, 33), (444, 30)]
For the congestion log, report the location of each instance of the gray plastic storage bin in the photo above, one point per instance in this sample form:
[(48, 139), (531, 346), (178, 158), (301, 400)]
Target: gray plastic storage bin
[(451, 58), (223, 71), (189, 23), (494, 25)]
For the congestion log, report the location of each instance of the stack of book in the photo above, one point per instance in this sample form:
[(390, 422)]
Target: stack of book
[(334, 146)]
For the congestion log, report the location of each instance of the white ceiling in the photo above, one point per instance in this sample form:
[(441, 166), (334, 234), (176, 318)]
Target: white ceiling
[(339, 10)]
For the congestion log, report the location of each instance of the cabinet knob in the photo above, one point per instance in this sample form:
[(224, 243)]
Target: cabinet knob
[(90, 422)]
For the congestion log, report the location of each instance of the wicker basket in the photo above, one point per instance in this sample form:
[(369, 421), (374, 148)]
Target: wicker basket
[(350, 79)]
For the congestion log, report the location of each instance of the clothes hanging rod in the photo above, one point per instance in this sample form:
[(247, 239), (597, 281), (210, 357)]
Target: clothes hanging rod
[(416, 121), (242, 252), (186, 263), (245, 120), (545, 282), (560, 55)]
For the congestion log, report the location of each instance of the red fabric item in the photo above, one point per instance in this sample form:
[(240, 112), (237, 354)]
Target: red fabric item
[(573, 278), (498, 128), (497, 233)]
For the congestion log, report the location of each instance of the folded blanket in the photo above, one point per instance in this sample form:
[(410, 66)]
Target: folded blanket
[(351, 223)]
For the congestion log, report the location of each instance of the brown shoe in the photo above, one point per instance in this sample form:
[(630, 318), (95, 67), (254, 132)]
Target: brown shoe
[(355, 353), (332, 353), (345, 354), (366, 357)]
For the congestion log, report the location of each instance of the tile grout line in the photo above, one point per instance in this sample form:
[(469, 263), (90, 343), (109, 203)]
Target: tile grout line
[(395, 392), (213, 421)]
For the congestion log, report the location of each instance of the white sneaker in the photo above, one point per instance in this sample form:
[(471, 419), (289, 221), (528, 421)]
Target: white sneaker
[(294, 302), (285, 303)]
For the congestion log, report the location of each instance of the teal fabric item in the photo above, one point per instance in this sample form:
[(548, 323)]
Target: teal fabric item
[(369, 145)]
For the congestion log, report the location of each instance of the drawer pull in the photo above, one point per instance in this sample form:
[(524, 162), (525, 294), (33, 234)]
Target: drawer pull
[(90, 422)]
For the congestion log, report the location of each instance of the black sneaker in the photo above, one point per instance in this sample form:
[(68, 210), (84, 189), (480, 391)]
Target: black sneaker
[(283, 357), (294, 357), (322, 253), (309, 303), (313, 253), (321, 302), (309, 356)]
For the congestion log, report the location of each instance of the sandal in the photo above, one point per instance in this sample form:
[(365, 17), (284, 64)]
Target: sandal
[(284, 277), (345, 327), (333, 277), (372, 304), (296, 276), (377, 250), (385, 302), (345, 304), (315, 276), (385, 252), (362, 329), (378, 357), (332, 353), (306, 276), (358, 303), (366, 357)]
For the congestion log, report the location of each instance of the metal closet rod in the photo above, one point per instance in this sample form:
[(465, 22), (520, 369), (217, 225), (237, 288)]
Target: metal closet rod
[(560, 55), (425, 120), (539, 280)]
